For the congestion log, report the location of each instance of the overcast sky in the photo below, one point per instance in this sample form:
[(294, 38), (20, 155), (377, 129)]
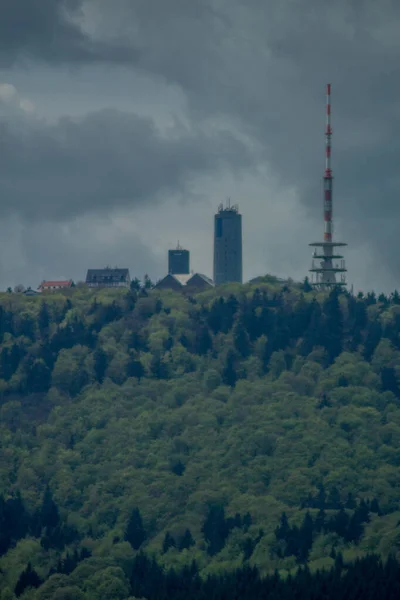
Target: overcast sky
[(124, 124)]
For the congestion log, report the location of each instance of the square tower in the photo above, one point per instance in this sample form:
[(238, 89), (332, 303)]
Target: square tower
[(178, 261), (228, 245)]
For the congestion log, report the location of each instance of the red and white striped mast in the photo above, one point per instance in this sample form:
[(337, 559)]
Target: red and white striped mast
[(328, 179), (325, 270)]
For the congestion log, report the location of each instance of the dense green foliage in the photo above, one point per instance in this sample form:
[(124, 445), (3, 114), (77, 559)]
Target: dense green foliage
[(254, 425)]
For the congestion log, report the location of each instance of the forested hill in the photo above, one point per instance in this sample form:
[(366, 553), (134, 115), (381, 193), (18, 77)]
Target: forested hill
[(246, 426)]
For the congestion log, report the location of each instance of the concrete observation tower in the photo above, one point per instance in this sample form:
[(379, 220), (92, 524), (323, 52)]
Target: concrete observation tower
[(328, 268), (228, 245)]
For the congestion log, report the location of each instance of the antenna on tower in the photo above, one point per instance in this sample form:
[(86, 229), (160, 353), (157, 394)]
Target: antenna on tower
[(325, 273), (328, 179)]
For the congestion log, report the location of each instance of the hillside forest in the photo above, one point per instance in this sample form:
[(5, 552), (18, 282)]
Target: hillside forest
[(243, 442)]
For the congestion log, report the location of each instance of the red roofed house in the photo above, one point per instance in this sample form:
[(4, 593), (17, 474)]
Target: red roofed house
[(55, 285)]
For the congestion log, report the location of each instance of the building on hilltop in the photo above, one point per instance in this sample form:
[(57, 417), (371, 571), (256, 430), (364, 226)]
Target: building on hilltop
[(30, 292), (199, 282), (195, 282), (50, 286), (179, 261), (108, 277), (172, 281), (228, 245)]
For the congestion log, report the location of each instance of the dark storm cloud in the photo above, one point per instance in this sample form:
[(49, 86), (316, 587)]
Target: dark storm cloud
[(266, 65), (104, 161), (49, 30)]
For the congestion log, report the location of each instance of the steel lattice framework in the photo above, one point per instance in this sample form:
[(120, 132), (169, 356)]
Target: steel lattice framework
[(324, 267)]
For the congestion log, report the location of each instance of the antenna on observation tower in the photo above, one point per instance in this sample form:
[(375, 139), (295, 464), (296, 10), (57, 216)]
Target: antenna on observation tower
[(325, 269)]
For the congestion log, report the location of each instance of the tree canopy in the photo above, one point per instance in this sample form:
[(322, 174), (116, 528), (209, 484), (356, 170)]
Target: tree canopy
[(252, 427)]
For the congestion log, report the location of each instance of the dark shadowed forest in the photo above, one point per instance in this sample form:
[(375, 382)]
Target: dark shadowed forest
[(239, 443)]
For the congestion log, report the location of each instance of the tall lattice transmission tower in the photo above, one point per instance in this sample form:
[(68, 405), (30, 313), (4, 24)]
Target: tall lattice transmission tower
[(328, 268)]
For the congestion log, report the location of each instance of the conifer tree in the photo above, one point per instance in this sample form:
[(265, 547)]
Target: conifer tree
[(187, 541), (147, 283), (320, 521), (135, 285), (333, 330), (320, 501), (340, 523), (283, 529), (49, 515), (231, 307), (375, 508), (248, 548), (395, 297), (383, 299), (229, 375), (100, 364), (312, 336), (38, 376), (215, 316), (43, 320), (246, 521), (169, 542), (215, 530), (350, 502), (158, 367), (305, 538), (203, 340), (306, 287), (389, 381), (339, 563), (135, 369), (374, 334), (27, 579), (333, 501), (241, 340), (135, 533), (178, 467)]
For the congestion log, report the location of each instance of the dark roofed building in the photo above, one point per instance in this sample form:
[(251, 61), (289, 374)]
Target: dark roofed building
[(108, 277), (172, 282), (31, 292), (189, 283), (199, 282)]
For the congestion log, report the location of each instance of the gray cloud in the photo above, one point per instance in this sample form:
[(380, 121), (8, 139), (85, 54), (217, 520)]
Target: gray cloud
[(87, 242), (50, 30), (261, 65), (105, 161), (266, 64)]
